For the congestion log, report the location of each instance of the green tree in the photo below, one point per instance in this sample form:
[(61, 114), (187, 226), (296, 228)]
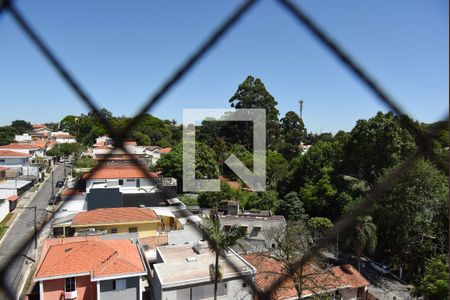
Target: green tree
[(434, 282), (412, 219), (214, 199), (171, 164), (293, 132), (253, 94), (276, 168), (7, 134), (22, 126), (376, 145), (85, 161), (291, 207), (267, 200), (219, 241), (318, 226), (364, 237)]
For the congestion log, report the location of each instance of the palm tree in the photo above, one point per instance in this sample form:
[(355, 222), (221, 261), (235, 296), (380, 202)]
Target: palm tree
[(218, 241), (365, 237)]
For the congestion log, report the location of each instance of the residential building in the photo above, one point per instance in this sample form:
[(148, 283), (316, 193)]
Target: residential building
[(156, 152), (23, 138), (90, 268), (13, 159), (34, 150), (255, 225), (342, 282), (123, 185), (104, 140), (144, 221), (183, 272), (61, 137)]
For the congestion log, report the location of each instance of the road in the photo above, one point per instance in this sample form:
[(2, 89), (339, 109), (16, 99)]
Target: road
[(22, 230)]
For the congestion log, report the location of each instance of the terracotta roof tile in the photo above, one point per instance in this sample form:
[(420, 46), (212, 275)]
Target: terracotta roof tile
[(115, 216), (154, 241), (98, 257), (13, 153), (269, 270), (165, 150), (19, 146), (119, 171)]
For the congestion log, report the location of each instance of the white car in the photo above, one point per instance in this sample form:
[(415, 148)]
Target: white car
[(383, 269)]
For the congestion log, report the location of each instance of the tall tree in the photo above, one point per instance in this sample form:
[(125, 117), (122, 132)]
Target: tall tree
[(291, 207), (364, 237), (412, 219), (253, 94), (434, 282), (7, 134), (22, 126), (219, 241), (376, 145)]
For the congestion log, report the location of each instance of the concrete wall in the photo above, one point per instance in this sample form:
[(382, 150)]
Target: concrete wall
[(349, 294), (86, 290), (4, 209), (232, 289), (131, 291)]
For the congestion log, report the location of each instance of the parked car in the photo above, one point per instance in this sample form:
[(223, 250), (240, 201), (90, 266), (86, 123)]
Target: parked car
[(59, 184), (383, 269)]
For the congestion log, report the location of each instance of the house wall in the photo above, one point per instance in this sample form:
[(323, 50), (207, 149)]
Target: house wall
[(131, 291), (144, 230), (104, 198), (349, 294), (5, 161), (234, 290), (144, 182), (86, 290)]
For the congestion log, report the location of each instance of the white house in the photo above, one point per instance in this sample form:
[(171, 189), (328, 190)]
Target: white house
[(103, 141), (13, 159), (62, 137), (183, 272), (22, 138), (123, 176), (33, 149)]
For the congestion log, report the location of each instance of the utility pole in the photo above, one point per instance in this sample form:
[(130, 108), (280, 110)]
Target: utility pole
[(301, 108)]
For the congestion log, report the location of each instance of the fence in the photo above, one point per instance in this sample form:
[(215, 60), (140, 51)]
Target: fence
[(424, 140)]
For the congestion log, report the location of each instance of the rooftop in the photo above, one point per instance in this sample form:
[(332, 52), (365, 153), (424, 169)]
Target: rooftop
[(183, 266), (119, 172), (90, 256), (9, 153), (20, 146), (269, 270), (115, 216)]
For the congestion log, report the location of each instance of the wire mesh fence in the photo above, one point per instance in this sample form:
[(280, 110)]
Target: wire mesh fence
[(9, 272)]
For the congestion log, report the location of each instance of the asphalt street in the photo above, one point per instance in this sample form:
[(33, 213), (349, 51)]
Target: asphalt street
[(22, 230)]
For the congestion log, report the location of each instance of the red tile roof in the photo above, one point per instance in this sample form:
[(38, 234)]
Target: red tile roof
[(38, 126), (92, 255), (63, 136), (133, 143), (269, 270), (13, 153), (19, 146), (12, 198), (3, 168), (119, 172), (165, 150), (40, 143), (115, 216)]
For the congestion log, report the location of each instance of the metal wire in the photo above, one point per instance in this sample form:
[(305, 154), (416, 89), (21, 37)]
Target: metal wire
[(423, 140)]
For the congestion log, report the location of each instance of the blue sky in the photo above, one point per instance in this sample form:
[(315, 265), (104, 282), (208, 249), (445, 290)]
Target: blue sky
[(122, 53)]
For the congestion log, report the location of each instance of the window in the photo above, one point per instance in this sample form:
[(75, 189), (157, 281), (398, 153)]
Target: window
[(255, 231), (120, 284), (113, 230), (138, 183), (244, 229), (120, 181), (2, 160), (70, 284), (132, 229), (226, 228), (131, 180)]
